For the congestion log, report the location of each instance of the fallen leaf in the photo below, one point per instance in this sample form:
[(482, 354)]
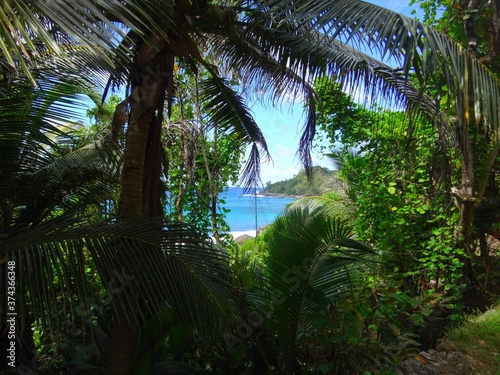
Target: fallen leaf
[(421, 359)]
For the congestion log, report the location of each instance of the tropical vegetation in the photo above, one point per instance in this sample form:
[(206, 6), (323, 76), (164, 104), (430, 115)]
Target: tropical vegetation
[(113, 251)]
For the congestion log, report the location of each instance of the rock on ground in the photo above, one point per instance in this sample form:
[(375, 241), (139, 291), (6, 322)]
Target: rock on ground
[(446, 359)]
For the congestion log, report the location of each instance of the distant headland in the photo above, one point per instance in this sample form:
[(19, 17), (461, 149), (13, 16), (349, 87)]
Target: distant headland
[(323, 181)]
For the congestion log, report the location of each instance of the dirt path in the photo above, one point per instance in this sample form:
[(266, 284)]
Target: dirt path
[(446, 359)]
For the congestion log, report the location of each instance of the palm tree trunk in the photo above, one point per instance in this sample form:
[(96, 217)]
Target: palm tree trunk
[(131, 207), (134, 158), (153, 187), (122, 345), (467, 204), (145, 99)]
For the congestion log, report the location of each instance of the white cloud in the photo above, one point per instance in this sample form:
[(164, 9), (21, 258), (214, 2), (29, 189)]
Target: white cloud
[(283, 151), (274, 174)]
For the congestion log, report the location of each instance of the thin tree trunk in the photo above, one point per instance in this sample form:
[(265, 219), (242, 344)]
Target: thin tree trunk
[(468, 201), (179, 201), (467, 204), (213, 176)]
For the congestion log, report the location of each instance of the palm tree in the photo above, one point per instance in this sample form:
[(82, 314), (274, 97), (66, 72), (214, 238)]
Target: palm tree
[(53, 184), (275, 46), (313, 262)]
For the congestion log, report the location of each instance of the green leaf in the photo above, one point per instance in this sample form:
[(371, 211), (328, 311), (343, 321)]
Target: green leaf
[(324, 368), (312, 262)]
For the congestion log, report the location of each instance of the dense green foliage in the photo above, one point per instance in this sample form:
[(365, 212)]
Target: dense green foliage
[(400, 184), (476, 181), (473, 23)]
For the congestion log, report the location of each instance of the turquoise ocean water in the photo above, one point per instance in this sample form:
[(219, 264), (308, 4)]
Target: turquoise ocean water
[(246, 209)]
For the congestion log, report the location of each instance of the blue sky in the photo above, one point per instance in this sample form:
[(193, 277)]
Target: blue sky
[(282, 128)]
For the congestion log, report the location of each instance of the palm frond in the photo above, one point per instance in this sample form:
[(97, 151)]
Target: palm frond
[(79, 181), (167, 265), (103, 155), (312, 261), (405, 43), (355, 69), (250, 175), (32, 28), (32, 118), (354, 157), (226, 111), (42, 172), (322, 205), (280, 59), (251, 54), (307, 138)]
